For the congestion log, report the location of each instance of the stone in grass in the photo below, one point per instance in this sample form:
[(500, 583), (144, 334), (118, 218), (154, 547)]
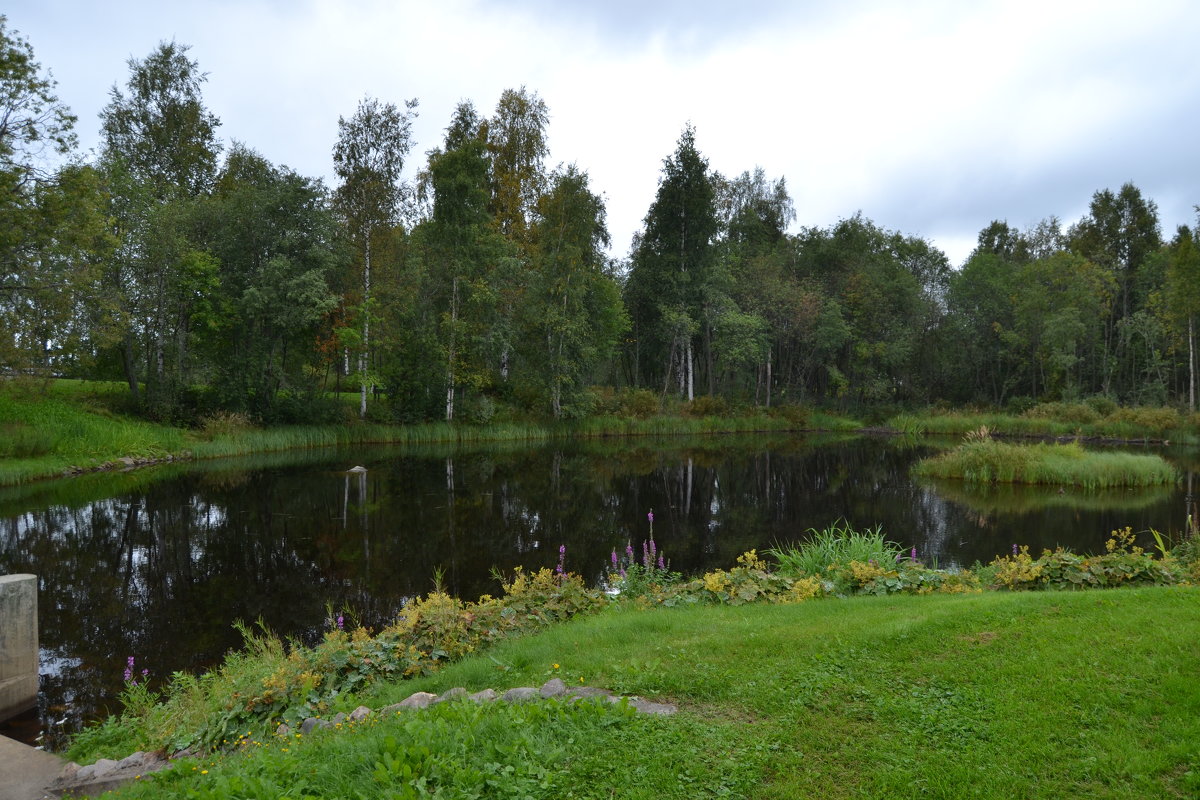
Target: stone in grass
[(646, 707), (97, 770), (283, 730), (553, 688), (360, 713), (338, 718), (105, 775), (486, 696), (521, 694), (417, 700), (450, 694), (312, 723)]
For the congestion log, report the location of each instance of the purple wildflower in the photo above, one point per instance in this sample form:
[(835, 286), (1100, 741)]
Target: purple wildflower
[(629, 552), (614, 557), (645, 554), (129, 669), (653, 548), (650, 516), (341, 622), (1014, 548), (562, 557), (661, 565), (914, 554)]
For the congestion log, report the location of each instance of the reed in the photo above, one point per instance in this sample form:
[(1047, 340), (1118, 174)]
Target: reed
[(838, 544), (1054, 464)]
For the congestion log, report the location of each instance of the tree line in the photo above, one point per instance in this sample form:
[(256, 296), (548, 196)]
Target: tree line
[(209, 279)]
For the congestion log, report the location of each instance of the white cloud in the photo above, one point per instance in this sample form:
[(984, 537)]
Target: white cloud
[(931, 117)]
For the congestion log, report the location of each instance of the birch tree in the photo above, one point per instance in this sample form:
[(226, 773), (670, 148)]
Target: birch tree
[(369, 158)]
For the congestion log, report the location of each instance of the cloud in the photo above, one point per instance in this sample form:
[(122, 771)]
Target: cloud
[(933, 118)]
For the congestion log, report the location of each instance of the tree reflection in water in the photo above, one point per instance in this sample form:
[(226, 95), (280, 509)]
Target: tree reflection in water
[(157, 564)]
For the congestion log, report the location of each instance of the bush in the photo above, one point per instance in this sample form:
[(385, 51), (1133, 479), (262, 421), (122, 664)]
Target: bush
[(1019, 404), (707, 405), (225, 423), (638, 403), (797, 415), (1102, 405), (1158, 420), (1070, 413)]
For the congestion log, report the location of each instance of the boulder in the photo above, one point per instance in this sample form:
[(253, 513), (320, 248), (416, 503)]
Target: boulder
[(522, 694)]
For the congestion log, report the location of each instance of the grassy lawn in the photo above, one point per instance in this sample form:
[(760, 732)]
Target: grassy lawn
[(999, 695)]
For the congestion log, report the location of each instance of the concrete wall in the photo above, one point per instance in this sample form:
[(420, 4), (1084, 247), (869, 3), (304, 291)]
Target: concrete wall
[(18, 644)]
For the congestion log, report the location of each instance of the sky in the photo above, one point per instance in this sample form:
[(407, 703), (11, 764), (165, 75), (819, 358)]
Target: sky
[(931, 117)]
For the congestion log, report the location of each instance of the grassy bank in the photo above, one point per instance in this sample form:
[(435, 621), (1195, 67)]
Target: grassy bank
[(988, 461), (1034, 695), (71, 426), (843, 698), (1061, 420)]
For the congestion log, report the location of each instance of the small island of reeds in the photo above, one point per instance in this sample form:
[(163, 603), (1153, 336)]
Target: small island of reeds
[(983, 460)]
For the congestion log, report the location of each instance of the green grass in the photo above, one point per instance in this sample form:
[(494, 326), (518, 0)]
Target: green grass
[(989, 461), (1000, 695), (837, 544), (76, 428), (1060, 420)]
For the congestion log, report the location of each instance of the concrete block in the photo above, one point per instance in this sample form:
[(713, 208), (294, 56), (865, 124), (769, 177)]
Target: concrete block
[(18, 644)]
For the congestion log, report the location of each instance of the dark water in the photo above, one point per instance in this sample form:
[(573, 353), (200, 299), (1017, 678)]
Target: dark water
[(156, 564)]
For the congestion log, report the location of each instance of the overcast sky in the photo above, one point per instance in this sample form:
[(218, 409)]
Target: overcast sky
[(932, 118)]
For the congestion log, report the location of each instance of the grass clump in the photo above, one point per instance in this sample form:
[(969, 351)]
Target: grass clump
[(837, 544), (989, 461)]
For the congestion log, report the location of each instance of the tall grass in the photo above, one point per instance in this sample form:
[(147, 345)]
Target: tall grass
[(1061, 420), (50, 429), (837, 544), (1056, 464)]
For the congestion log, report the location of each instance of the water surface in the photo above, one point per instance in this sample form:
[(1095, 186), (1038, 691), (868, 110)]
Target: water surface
[(157, 563)]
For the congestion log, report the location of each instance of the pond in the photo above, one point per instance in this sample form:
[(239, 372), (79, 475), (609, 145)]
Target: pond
[(158, 563)]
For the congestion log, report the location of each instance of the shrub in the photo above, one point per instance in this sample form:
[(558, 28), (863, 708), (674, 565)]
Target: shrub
[(798, 415), (707, 405), (637, 403), (1019, 404), (1102, 405), (1158, 420), (225, 423), (1071, 413)]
